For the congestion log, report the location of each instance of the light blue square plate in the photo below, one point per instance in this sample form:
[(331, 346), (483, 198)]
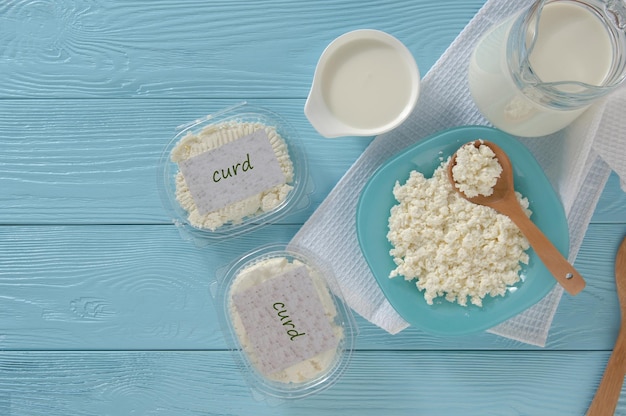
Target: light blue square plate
[(446, 318)]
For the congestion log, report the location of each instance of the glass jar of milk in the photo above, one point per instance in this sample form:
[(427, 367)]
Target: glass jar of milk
[(536, 72)]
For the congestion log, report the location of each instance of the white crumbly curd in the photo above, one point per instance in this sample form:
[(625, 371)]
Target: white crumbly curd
[(476, 170), (451, 247)]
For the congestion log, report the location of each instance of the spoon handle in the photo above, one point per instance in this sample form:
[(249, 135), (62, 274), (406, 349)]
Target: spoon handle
[(563, 272), (607, 395)]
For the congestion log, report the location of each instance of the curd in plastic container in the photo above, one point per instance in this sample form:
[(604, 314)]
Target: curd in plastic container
[(284, 319), (233, 171)]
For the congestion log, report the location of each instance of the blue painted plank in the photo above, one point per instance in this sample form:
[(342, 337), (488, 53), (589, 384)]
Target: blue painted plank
[(612, 204), (376, 382), (95, 161), (199, 49), (142, 287)]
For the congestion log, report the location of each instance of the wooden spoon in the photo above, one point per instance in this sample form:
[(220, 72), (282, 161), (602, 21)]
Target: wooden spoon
[(504, 201), (608, 392)]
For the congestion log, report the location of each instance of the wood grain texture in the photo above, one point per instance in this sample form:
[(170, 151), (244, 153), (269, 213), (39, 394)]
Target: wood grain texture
[(202, 49), (611, 203), (143, 287), (504, 383), (111, 287), (95, 161)]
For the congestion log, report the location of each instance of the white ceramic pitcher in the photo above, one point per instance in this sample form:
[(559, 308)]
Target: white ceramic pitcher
[(366, 83)]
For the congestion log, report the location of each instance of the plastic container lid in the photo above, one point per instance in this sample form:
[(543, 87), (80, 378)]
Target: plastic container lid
[(284, 319), (231, 172)]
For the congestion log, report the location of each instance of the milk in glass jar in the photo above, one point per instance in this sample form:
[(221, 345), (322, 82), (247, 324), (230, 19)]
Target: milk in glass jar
[(536, 72)]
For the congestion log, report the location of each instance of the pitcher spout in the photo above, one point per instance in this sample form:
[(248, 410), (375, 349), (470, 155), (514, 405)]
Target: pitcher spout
[(321, 118)]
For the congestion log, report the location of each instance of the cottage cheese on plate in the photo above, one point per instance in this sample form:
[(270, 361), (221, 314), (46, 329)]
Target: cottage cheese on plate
[(450, 246), (212, 137)]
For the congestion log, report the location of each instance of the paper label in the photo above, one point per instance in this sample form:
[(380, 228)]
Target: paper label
[(285, 320), (233, 172)]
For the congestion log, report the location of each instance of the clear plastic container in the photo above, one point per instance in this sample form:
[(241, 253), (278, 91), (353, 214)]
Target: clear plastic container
[(243, 168), (283, 318)]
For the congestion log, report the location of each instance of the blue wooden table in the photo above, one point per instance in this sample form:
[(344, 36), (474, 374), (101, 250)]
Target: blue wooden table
[(105, 310)]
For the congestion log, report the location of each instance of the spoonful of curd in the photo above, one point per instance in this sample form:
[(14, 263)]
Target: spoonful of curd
[(491, 184)]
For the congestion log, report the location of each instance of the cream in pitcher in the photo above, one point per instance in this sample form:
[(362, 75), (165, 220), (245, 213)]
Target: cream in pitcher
[(535, 73), (366, 83)]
